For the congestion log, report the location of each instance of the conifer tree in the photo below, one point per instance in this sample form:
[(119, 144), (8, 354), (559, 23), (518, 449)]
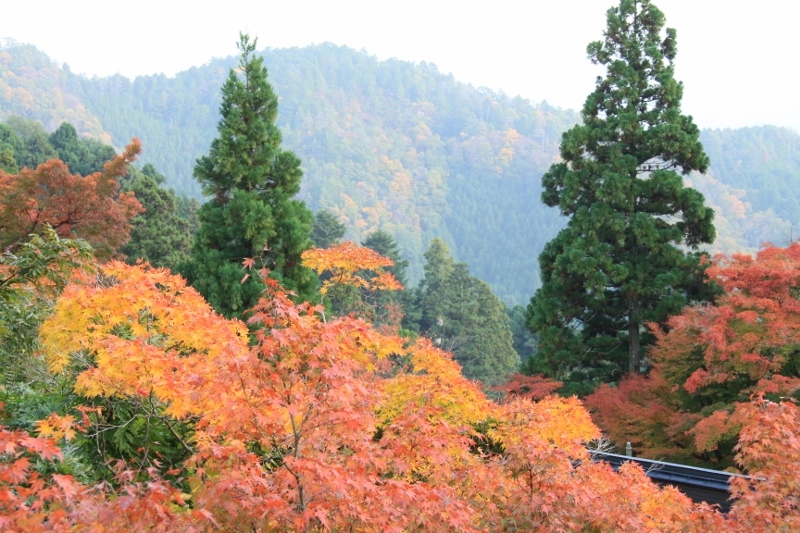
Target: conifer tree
[(252, 212), (391, 305), (461, 315), (382, 242), (10, 148), (159, 235), (620, 262), (67, 144), (327, 229)]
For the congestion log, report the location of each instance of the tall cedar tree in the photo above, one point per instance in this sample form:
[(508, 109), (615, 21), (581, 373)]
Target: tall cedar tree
[(620, 262), (252, 212)]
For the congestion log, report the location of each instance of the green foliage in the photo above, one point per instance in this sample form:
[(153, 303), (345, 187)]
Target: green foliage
[(460, 314), (162, 235), (252, 212), (327, 229), (69, 148), (620, 262), (10, 146), (382, 242), (25, 143), (384, 144), (30, 277), (97, 155), (403, 147), (82, 156), (133, 430), (7, 161), (391, 304), (36, 151), (524, 340)]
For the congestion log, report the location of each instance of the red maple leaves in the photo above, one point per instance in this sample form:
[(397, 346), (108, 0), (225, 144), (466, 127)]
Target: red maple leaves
[(88, 207)]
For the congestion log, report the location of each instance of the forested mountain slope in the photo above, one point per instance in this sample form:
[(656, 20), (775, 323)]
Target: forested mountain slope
[(765, 163), (403, 147), (34, 87), (388, 145)]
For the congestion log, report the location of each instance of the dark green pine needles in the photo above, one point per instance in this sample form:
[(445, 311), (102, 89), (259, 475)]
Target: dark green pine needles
[(621, 261), (252, 212)]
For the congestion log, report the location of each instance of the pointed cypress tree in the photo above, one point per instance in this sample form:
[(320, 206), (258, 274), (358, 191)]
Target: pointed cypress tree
[(620, 263), (252, 182), (390, 305), (382, 242)]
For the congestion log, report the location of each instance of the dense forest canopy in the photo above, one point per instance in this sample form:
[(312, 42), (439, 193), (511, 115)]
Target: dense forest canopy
[(334, 397), (401, 147)]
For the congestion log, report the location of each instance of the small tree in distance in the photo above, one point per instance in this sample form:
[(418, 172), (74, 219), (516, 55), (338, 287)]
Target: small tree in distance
[(327, 230), (620, 262)]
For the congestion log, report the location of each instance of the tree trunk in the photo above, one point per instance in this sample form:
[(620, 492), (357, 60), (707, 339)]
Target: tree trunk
[(634, 355)]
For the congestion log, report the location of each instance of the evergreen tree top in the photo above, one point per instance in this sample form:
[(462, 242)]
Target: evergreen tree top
[(247, 154), (632, 128)]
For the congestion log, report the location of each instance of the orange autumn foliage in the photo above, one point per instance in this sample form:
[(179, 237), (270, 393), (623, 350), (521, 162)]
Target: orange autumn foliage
[(530, 387), (769, 449), (352, 279), (749, 334), (320, 426), (709, 358), (31, 502), (643, 410), (146, 333), (87, 207), (346, 263)]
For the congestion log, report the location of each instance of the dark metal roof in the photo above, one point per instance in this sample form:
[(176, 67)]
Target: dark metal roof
[(699, 484)]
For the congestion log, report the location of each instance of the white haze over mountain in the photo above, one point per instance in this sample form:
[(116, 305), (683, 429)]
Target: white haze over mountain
[(736, 59)]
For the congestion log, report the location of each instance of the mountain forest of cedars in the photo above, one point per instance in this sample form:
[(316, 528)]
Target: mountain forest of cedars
[(244, 365), (401, 147)]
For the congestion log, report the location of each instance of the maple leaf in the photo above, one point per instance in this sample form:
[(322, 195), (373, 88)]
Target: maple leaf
[(57, 427)]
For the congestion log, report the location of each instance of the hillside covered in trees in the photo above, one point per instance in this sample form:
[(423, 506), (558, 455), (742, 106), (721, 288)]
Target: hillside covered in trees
[(277, 376), (401, 147)]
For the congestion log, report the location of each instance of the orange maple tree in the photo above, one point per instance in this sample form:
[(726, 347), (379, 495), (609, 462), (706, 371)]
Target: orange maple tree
[(316, 426), (87, 207), (709, 358), (532, 387), (347, 263), (349, 273), (769, 450)]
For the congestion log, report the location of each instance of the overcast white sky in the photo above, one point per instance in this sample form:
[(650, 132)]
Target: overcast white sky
[(738, 60)]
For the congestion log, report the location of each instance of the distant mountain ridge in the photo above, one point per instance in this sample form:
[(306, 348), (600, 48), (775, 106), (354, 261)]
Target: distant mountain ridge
[(403, 147)]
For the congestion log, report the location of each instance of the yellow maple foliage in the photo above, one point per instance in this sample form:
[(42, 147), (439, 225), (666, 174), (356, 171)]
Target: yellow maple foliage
[(347, 262), (57, 427), (432, 377), (140, 331)]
